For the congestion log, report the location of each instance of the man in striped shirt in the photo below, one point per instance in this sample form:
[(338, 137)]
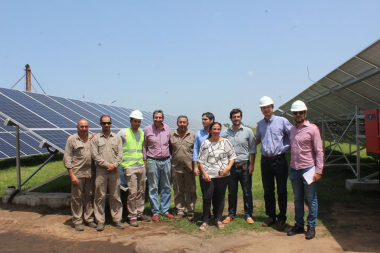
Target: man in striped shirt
[(158, 166)]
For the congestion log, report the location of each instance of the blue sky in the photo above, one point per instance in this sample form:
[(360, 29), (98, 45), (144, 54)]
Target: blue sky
[(185, 57)]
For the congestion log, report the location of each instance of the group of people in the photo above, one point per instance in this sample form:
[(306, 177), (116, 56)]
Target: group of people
[(220, 159)]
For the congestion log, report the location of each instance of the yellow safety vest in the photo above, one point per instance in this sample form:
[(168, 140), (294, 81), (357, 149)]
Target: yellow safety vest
[(131, 153)]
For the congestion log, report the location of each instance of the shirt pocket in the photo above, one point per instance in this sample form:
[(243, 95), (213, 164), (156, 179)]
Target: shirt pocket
[(78, 149), (189, 146), (115, 147)]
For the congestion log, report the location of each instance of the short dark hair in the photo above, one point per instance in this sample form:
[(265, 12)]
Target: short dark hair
[(105, 115), (182, 116), (209, 115), (158, 111), (235, 111), (212, 124)]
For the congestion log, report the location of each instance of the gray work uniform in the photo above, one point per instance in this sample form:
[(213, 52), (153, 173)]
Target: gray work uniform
[(107, 150), (77, 157)]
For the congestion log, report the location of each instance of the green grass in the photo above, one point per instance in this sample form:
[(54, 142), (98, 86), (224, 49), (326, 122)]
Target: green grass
[(331, 189)]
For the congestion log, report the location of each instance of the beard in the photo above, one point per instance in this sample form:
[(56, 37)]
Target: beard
[(299, 120)]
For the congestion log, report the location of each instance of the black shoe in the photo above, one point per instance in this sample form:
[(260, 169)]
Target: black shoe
[(310, 234), (296, 230)]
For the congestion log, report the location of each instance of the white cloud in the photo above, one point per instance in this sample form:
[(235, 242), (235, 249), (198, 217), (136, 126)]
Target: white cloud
[(250, 73)]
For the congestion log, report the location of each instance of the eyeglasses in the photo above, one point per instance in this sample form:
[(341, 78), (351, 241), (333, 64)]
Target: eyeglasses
[(300, 113), (106, 123)]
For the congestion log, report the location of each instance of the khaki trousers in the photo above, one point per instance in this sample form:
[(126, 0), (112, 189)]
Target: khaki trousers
[(82, 197), (184, 187), (136, 191), (112, 180)]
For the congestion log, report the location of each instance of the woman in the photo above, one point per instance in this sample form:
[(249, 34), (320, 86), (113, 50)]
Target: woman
[(216, 157)]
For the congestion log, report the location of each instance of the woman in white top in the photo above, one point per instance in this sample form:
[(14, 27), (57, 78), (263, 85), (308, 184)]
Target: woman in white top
[(216, 157)]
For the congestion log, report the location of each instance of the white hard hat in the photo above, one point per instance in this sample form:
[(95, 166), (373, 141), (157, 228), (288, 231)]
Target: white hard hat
[(264, 101), (298, 106), (136, 114)]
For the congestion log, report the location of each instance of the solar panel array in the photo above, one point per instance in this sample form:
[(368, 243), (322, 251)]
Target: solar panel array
[(334, 98), (53, 119)]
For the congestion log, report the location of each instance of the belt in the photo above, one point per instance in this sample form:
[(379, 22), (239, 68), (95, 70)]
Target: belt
[(271, 158), (159, 159), (241, 164)]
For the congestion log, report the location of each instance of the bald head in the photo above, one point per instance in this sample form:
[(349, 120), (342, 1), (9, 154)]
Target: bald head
[(82, 127)]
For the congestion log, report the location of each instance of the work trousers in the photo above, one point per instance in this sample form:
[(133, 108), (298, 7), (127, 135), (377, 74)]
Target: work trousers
[(103, 180), (214, 191), (82, 197), (184, 187), (135, 178)]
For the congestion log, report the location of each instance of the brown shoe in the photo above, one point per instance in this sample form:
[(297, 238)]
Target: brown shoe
[(249, 220), (143, 218), (281, 225), (133, 222), (268, 222), (227, 220)]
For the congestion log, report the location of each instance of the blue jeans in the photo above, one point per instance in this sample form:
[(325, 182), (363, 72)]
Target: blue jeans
[(275, 171), (159, 174), (240, 174), (300, 187)]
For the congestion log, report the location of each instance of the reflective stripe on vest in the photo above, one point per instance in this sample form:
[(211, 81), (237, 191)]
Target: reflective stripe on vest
[(131, 153)]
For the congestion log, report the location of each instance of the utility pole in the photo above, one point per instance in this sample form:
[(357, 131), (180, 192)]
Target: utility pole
[(28, 78)]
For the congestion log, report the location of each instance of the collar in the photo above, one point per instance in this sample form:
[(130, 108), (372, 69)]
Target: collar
[(163, 126), (306, 123), (186, 134), (78, 137), (232, 129), (269, 120), (102, 134)]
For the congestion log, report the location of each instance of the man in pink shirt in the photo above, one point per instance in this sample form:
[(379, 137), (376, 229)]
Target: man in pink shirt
[(306, 155)]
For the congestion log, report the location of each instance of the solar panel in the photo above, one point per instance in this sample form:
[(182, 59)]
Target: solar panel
[(28, 143), (53, 119)]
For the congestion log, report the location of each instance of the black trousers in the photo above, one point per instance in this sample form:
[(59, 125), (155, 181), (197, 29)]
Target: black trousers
[(271, 171), (214, 191)]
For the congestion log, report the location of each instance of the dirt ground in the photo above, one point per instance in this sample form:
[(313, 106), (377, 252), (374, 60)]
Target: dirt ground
[(39, 229)]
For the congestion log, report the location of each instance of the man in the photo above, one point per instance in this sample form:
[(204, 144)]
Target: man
[(273, 134), (134, 168), (181, 149), (77, 160), (157, 161), (107, 152), (307, 156), (243, 140)]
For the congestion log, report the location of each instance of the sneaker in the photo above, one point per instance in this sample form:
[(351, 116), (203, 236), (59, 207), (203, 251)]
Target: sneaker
[(79, 227), (249, 220), (92, 224), (133, 222), (100, 227), (143, 218), (119, 225), (169, 216), (310, 234), (227, 220), (296, 230), (155, 218), (268, 222)]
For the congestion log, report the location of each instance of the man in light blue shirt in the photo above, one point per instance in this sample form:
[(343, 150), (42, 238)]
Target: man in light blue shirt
[(273, 133)]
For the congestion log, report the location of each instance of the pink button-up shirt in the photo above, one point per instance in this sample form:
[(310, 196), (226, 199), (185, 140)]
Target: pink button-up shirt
[(156, 142), (306, 147)]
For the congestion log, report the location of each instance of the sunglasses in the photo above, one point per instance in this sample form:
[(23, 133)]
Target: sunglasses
[(106, 123), (300, 113)]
